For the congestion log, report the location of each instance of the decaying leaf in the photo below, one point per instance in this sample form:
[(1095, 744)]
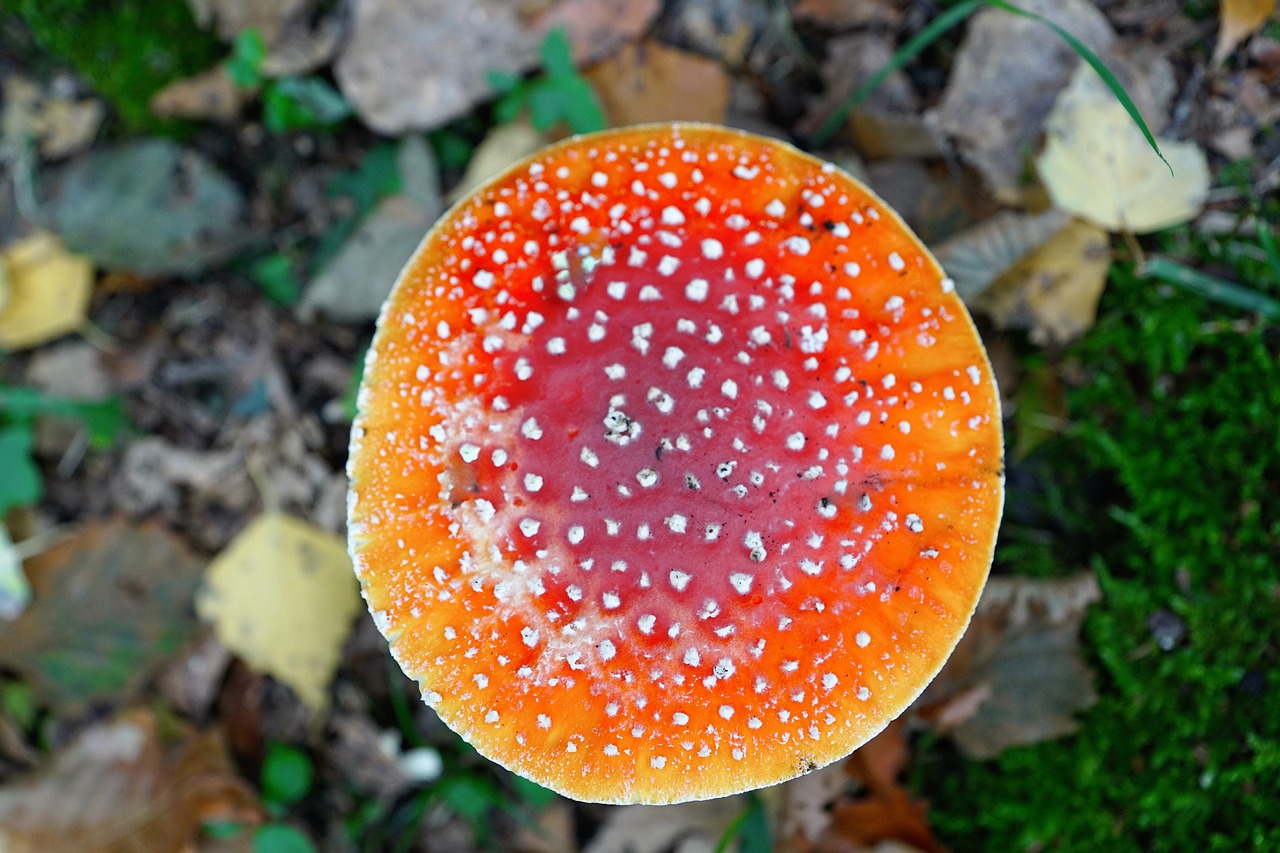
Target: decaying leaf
[(283, 597), (598, 28), (845, 14), (979, 255), (1054, 289), (60, 126), (109, 605), (418, 65), (353, 286), (1003, 83), (148, 207), (120, 788), (886, 812), (47, 293), (654, 829), (650, 82), (231, 17), (210, 95), (1016, 677), (1239, 19), (1097, 165)]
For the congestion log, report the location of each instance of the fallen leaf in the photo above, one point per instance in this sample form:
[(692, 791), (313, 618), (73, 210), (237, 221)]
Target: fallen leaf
[(418, 64), (1097, 165), (1238, 20), (598, 28), (1040, 411), (650, 82), (283, 596), (505, 144), (109, 605), (355, 283), (1003, 82), (655, 829), (852, 60), (211, 95), (1016, 677), (232, 17), (120, 788), (60, 126), (353, 286), (979, 255), (48, 291), (886, 811), (1054, 289), (934, 201), (805, 814), (148, 207)]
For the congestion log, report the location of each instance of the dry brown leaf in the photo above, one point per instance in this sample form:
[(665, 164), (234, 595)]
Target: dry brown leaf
[(1097, 164), (48, 290), (61, 127), (1239, 19), (887, 811), (110, 604), (598, 28), (211, 95), (850, 62), (118, 788), (650, 82), (411, 64), (1055, 288), (1016, 677), (654, 829), (283, 596), (1003, 83)]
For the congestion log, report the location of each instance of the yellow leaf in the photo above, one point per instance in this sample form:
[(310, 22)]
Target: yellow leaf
[(283, 596), (505, 145), (1097, 165), (47, 294), (1239, 20), (1054, 289)]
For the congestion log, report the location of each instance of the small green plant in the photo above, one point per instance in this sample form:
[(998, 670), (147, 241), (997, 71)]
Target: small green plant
[(750, 829), (287, 775), (21, 483), (559, 94), (288, 103)]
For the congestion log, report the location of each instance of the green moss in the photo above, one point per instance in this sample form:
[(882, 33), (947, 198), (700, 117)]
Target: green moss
[(1168, 485), (126, 49)]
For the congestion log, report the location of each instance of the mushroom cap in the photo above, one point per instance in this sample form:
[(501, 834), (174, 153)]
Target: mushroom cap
[(677, 469)]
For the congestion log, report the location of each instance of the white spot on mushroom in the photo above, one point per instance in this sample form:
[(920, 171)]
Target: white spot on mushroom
[(862, 638), (646, 622), (741, 582), (576, 534), (469, 452), (726, 711), (679, 580), (829, 680)]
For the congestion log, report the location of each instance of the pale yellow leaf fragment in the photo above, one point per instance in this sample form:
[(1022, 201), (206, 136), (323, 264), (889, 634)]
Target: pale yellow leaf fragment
[(283, 597), (505, 144), (47, 293), (1097, 165), (1239, 19), (1054, 289)]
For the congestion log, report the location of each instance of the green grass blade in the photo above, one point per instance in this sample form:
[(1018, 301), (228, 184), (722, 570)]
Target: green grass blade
[(909, 51), (1210, 287), (1267, 241), (1113, 83)]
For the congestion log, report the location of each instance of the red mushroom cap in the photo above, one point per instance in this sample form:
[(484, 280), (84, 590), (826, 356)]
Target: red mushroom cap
[(677, 470)]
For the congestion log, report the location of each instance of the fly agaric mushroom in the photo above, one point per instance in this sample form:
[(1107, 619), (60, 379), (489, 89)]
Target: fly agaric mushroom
[(677, 469)]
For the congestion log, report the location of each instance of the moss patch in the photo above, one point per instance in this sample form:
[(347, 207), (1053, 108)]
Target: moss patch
[(127, 49), (1168, 486)]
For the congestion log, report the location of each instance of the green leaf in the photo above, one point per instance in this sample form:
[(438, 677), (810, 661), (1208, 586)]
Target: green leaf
[(286, 774), (1096, 64), (502, 81), (221, 830), (247, 54), (274, 274), (470, 797), (580, 108), (531, 793), (17, 700), (105, 419), (280, 838), (20, 480), (557, 54), (299, 103), (750, 829)]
